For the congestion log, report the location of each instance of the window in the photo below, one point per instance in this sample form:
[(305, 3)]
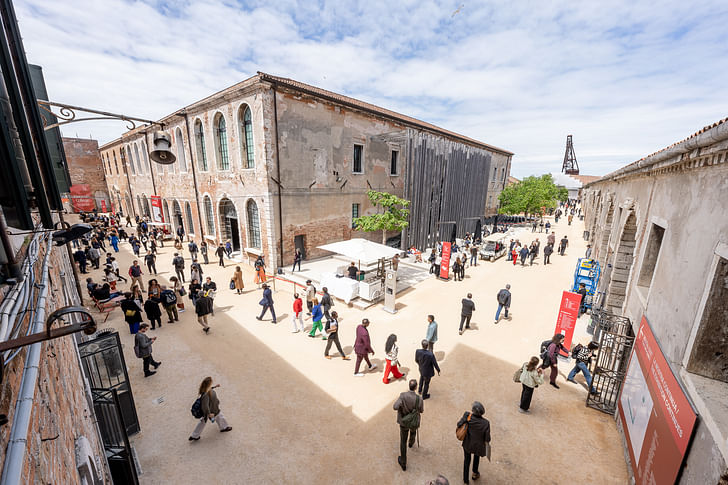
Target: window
[(495, 174), (147, 166), (253, 224), (393, 167), (200, 142), (503, 174), (116, 163), (490, 201), (357, 168), (245, 134), (190, 222), (180, 150), (649, 260), (127, 154), (140, 169), (221, 147), (354, 214), (209, 216)]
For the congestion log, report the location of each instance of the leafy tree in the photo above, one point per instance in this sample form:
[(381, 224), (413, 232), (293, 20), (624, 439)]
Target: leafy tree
[(530, 195), (393, 216)]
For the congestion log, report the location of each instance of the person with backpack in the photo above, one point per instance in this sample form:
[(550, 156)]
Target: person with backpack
[(192, 248), (391, 350), (409, 407), (530, 376), (504, 302), (169, 302), (582, 356), (476, 440), (179, 266), (332, 329), (550, 356), (132, 312), (207, 406), (143, 349)]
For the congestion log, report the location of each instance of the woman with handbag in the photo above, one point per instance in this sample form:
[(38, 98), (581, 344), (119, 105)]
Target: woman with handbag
[(236, 283), (132, 312), (391, 350), (474, 431), (531, 377), (210, 405), (179, 292)]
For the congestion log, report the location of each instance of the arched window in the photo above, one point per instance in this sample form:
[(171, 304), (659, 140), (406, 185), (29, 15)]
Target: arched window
[(147, 167), (127, 154), (200, 143), (180, 151), (140, 168), (209, 216), (177, 216), (245, 134), (253, 224), (190, 222), (116, 163), (221, 146)]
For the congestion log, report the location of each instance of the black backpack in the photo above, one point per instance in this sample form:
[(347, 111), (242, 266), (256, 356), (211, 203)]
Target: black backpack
[(197, 408), (575, 351), (169, 298), (545, 350), (411, 420)]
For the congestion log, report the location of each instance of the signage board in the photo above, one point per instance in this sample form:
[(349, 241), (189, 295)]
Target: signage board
[(157, 215), (445, 260), (568, 314)]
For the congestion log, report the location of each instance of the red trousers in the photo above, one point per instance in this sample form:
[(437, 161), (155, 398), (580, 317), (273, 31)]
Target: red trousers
[(393, 368)]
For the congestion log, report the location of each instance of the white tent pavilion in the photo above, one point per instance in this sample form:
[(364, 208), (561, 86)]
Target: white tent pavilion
[(361, 250)]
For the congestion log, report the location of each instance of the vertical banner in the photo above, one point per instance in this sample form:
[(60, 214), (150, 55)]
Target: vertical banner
[(445, 261), (568, 313), (81, 198), (103, 205), (657, 418), (157, 215)]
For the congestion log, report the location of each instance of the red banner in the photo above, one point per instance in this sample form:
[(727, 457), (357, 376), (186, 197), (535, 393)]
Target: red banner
[(657, 418), (445, 261), (157, 215), (568, 314), (103, 205), (81, 199)]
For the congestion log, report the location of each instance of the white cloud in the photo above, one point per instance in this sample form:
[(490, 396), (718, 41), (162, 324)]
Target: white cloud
[(625, 78)]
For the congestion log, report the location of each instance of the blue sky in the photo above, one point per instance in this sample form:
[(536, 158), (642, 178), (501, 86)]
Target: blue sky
[(624, 78)]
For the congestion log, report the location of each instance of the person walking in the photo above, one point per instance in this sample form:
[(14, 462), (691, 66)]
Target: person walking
[(532, 253), (514, 255), (150, 260), (431, 336), (332, 328), (151, 308), (203, 251), (588, 252), (179, 266), (203, 307), (583, 292), (210, 406), (530, 378), (409, 406), (220, 253), (550, 357), (229, 249), (582, 362), (326, 303), (473, 255), (260, 270), (563, 244), (238, 280), (466, 312), (297, 257), (363, 347), (80, 257), (132, 312), (135, 271), (143, 349), (548, 227), (524, 255), (392, 364), (194, 289), (547, 252), (193, 249), (310, 296), (114, 239), (551, 239), (153, 245), (317, 315), (297, 313), (504, 302), (427, 363), (267, 303), (477, 439), (169, 302)]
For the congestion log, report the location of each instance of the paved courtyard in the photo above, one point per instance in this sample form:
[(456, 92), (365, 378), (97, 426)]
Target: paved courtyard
[(299, 418)]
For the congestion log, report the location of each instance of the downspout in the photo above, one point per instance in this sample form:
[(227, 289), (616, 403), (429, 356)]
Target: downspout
[(278, 174), (15, 455), (194, 176)]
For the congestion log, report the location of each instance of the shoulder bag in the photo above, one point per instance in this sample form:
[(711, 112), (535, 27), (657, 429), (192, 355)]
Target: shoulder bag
[(462, 430)]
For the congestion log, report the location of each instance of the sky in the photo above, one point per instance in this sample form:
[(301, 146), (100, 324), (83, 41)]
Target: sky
[(624, 78)]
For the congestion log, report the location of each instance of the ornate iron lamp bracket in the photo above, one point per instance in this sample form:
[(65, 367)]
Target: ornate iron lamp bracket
[(67, 113)]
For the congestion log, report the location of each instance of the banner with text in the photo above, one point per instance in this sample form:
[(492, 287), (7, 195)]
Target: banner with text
[(445, 260), (157, 209), (568, 314), (658, 419)]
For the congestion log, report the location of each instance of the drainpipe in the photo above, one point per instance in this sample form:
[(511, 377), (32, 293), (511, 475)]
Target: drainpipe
[(194, 176), (11, 258), (15, 456), (278, 175)]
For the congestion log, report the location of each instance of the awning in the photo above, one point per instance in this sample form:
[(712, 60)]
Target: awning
[(361, 250)]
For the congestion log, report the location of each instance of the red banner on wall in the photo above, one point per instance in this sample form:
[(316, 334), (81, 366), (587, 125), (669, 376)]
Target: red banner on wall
[(445, 261), (657, 418), (103, 205), (157, 215), (568, 314), (81, 199)]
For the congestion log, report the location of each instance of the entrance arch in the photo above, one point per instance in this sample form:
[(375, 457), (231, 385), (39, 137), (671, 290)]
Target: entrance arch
[(166, 212), (622, 266), (229, 226), (177, 216)]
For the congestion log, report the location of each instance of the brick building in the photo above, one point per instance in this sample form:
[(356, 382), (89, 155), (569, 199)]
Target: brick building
[(272, 164), (659, 229), (85, 168)]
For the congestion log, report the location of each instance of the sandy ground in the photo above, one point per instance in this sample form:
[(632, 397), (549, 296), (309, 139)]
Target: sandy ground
[(299, 418)]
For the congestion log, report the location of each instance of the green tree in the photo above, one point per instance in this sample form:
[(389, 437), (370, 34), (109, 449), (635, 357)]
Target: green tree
[(530, 195), (393, 216)]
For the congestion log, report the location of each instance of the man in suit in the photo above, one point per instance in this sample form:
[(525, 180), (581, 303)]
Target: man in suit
[(267, 303), (467, 312), (427, 363)]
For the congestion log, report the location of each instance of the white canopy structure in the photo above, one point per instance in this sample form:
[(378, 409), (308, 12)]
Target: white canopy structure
[(361, 250)]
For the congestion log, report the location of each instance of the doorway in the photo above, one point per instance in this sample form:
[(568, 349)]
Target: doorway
[(230, 229), (299, 242), (234, 233)]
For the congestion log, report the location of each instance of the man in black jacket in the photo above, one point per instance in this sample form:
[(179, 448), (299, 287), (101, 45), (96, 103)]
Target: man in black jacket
[(467, 312), (179, 266), (144, 344), (427, 363), (203, 307), (504, 302), (267, 303)]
